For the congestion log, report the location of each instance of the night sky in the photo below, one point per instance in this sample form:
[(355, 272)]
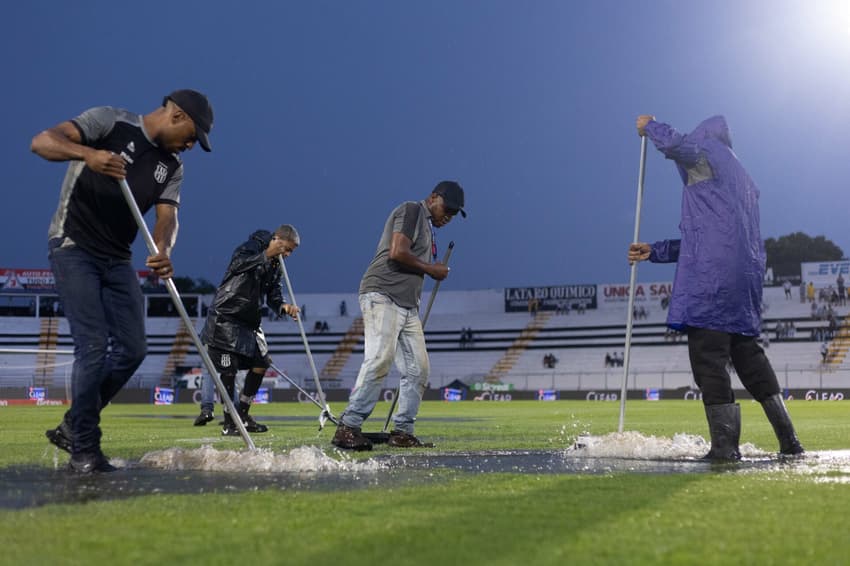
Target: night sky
[(329, 114)]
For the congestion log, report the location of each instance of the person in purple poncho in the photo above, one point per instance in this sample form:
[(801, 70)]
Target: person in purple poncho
[(717, 289)]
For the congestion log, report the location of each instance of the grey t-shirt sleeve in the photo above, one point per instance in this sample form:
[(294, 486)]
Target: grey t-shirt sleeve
[(95, 123), (406, 220), (171, 193)]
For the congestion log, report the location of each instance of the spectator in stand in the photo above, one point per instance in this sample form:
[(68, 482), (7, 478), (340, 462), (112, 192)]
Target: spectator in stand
[(802, 290), (810, 292), (824, 351), (343, 309), (787, 287)]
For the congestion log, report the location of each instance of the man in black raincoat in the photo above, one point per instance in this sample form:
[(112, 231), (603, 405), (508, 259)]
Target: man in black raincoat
[(232, 333)]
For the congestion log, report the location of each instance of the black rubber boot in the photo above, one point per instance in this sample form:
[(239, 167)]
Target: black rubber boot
[(724, 424), (777, 414)]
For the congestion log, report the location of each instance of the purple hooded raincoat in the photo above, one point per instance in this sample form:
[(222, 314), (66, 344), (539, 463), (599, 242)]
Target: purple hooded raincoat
[(721, 258)]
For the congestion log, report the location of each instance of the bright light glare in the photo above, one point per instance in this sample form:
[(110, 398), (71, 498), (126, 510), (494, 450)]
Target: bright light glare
[(827, 23)]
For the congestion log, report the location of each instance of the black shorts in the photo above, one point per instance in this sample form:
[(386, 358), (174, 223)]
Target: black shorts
[(229, 362)]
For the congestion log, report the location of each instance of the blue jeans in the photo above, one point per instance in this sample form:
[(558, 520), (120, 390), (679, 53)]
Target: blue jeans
[(105, 311), (207, 394), (392, 333)]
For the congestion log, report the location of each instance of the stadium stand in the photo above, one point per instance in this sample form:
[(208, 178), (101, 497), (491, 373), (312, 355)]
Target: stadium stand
[(504, 347)]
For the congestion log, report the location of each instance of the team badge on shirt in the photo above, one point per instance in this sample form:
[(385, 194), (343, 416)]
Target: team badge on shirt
[(225, 361), (160, 173)]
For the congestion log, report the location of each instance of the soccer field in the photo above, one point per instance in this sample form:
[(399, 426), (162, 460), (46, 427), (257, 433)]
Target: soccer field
[(502, 486)]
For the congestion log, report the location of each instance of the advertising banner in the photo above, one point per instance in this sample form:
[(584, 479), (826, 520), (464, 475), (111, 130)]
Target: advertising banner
[(37, 393), (163, 396), (646, 294), (825, 273), (12, 279), (554, 297), (262, 396), (452, 394)]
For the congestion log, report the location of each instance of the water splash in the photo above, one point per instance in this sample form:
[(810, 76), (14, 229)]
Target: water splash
[(302, 459), (634, 445)]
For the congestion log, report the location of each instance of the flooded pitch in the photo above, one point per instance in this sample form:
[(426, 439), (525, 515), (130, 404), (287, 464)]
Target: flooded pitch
[(210, 470)]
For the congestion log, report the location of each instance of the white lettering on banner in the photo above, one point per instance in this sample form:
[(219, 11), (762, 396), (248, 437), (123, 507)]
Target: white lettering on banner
[(617, 294), (163, 396), (693, 395), (388, 395), (813, 395), (551, 297), (557, 292), (492, 396), (594, 396)]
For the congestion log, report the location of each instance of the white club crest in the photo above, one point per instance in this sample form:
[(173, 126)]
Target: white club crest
[(160, 173), (225, 360)]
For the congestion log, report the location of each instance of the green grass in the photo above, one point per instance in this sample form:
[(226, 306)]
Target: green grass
[(455, 517)]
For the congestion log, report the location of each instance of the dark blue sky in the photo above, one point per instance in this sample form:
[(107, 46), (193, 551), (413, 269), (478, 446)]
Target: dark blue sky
[(328, 114)]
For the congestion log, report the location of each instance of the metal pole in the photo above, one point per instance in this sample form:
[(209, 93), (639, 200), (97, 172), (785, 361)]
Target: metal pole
[(424, 321), (178, 304), (326, 411), (632, 281)]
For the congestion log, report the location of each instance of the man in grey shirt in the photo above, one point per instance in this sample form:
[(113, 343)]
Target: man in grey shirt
[(389, 300)]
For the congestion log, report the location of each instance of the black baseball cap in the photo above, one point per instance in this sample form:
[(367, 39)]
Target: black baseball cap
[(199, 110), (452, 194)]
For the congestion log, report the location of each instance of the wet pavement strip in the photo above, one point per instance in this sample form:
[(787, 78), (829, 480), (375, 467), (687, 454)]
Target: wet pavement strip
[(309, 468)]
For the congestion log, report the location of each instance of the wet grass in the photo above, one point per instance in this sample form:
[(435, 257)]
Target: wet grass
[(454, 517)]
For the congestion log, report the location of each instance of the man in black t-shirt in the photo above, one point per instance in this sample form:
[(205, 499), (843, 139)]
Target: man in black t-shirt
[(89, 244)]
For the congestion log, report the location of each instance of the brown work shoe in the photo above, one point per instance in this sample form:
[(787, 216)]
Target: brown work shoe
[(350, 438), (404, 440)]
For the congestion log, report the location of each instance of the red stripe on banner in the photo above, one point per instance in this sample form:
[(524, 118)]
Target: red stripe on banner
[(37, 402)]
